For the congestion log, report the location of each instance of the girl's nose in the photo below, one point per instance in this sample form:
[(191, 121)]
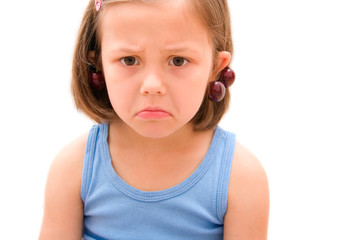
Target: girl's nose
[(152, 85)]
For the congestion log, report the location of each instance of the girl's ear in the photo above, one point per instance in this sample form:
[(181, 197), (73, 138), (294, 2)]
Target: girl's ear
[(222, 61), (91, 57), (95, 61)]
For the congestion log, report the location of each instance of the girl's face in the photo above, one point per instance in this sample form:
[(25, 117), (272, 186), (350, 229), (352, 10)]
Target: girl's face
[(157, 61)]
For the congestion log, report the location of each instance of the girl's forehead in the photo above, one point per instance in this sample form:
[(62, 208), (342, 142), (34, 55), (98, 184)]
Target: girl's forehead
[(164, 19), (184, 6), (166, 9)]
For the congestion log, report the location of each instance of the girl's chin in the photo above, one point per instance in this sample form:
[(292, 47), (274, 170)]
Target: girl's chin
[(155, 129), (154, 132)]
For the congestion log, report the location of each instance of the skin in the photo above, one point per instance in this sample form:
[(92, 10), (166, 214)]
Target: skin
[(161, 62)]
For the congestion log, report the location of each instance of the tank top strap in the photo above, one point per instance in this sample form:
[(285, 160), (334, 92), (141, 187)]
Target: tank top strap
[(229, 141), (95, 134)]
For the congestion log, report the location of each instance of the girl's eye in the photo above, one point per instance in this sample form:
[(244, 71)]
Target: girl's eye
[(129, 61), (178, 61)]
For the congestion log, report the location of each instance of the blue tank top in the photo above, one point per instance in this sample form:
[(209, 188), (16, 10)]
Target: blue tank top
[(193, 209)]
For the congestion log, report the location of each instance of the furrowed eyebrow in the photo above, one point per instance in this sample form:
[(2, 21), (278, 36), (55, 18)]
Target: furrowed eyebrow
[(180, 49), (166, 49), (127, 49)]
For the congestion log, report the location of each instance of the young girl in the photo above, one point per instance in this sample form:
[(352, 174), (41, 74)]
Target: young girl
[(154, 74)]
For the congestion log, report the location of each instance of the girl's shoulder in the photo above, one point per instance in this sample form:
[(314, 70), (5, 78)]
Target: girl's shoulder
[(72, 155), (68, 162), (248, 198), (247, 174), (63, 210)]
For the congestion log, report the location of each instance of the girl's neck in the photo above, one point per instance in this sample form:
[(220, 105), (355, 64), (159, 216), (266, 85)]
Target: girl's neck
[(153, 164), (121, 135)]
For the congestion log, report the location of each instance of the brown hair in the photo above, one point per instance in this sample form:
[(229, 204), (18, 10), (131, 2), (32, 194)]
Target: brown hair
[(213, 14)]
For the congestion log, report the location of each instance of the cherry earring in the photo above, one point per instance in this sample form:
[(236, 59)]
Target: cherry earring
[(96, 79), (227, 77), (216, 91), (217, 88)]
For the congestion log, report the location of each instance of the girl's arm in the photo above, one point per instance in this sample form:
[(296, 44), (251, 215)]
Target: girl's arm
[(63, 213), (248, 199)]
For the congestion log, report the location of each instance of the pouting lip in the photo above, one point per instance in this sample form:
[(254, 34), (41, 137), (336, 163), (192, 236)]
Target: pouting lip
[(153, 109)]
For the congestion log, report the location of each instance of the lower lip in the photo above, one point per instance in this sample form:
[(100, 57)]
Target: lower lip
[(153, 114)]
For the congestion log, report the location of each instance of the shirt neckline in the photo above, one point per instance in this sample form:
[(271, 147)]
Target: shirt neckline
[(153, 196)]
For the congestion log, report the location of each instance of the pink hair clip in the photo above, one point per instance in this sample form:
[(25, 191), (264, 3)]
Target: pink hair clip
[(97, 5)]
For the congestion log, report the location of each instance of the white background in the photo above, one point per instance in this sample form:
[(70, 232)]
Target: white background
[(295, 105)]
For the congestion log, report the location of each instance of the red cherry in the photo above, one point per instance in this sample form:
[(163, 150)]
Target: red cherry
[(227, 77), (216, 91), (96, 80)]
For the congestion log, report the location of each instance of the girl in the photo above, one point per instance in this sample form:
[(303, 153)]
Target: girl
[(155, 76)]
